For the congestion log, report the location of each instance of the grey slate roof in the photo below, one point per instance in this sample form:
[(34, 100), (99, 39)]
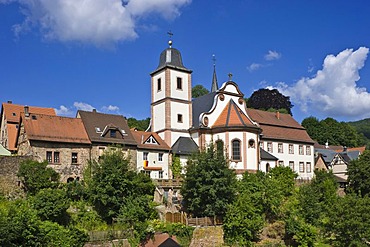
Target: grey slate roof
[(327, 154), (184, 145), (94, 120), (171, 57), (266, 155), (200, 105)]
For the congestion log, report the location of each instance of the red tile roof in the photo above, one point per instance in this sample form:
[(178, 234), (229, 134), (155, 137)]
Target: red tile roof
[(232, 116), (13, 112), (55, 129), (279, 126), (141, 137), (12, 136)]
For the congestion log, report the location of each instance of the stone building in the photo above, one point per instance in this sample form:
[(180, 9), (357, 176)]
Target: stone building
[(10, 118), (108, 131), (61, 141)]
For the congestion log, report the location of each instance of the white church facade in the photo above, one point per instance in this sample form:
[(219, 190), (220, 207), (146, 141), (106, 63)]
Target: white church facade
[(251, 139)]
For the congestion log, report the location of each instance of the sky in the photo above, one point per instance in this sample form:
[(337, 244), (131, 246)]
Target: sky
[(98, 54)]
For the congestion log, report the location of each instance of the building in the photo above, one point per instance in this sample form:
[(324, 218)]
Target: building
[(221, 117), (108, 131), (10, 119), (61, 141), (153, 155)]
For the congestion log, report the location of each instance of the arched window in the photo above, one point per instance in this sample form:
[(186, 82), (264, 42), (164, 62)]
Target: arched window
[(251, 143), (268, 167), (220, 147), (235, 150)]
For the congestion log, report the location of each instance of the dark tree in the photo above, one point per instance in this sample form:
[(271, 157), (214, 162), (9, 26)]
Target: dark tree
[(265, 99), (209, 184), (359, 175), (199, 90)]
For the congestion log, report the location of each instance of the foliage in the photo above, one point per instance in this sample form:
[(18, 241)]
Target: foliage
[(182, 232), (176, 166), (84, 217), (359, 174), (265, 99), (209, 184), (76, 190), (113, 180), (138, 124), (334, 132), (301, 233), (199, 90), (363, 128), (51, 204), (36, 176), (318, 198), (350, 222)]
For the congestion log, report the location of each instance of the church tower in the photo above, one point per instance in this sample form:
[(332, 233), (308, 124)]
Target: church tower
[(171, 106)]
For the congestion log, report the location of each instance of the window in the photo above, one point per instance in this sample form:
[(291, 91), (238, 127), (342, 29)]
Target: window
[(113, 133), (160, 174), (160, 157), (159, 84), (74, 158), (145, 156), (151, 140), (49, 157), (280, 148), (268, 167), (179, 118), (179, 83), (281, 163), (56, 158), (251, 143), (301, 167), (236, 150), (308, 167), (261, 145), (269, 147), (308, 150), (300, 149), (291, 149), (145, 172), (291, 165)]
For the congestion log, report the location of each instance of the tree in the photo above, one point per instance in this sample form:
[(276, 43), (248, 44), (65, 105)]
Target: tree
[(359, 175), (199, 90), (138, 124), (209, 184), (113, 181), (36, 176), (265, 99)]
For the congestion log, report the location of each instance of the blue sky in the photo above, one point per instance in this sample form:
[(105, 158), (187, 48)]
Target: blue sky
[(75, 54)]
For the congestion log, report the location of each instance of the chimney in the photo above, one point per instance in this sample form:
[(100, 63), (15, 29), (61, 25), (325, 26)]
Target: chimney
[(10, 102), (278, 115), (94, 110), (327, 144), (344, 148), (26, 111)]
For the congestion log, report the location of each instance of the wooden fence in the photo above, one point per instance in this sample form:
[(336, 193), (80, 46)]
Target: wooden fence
[(178, 217)]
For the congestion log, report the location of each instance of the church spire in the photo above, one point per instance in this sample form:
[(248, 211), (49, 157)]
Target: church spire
[(214, 79)]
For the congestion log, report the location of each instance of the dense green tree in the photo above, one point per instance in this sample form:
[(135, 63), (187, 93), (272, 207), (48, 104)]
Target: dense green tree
[(359, 175), (349, 223), (176, 166), (209, 184), (113, 181), (138, 124), (265, 99), (36, 176), (51, 204), (199, 90), (318, 198)]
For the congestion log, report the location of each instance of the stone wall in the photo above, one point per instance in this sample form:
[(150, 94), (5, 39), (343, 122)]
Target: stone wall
[(10, 185)]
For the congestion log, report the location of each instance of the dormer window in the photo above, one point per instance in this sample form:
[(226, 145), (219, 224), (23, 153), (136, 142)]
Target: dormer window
[(151, 140), (113, 133)]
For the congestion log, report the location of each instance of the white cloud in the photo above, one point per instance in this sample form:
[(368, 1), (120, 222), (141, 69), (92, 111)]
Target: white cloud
[(97, 22), (110, 108), (254, 66), (272, 55), (333, 90), (83, 106), (64, 111)]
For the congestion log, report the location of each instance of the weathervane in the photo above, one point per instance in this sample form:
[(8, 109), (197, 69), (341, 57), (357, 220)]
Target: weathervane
[(170, 34), (214, 60), (230, 76)]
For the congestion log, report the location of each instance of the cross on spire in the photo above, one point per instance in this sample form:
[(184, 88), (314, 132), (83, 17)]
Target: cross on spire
[(170, 34), (230, 76), (214, 60)]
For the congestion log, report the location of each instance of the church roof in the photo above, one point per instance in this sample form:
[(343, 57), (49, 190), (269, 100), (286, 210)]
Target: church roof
[(171, 58), (202, 104), (232, 116), (184, 145)]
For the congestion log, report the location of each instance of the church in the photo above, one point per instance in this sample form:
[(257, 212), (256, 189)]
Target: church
[(251, 139)]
